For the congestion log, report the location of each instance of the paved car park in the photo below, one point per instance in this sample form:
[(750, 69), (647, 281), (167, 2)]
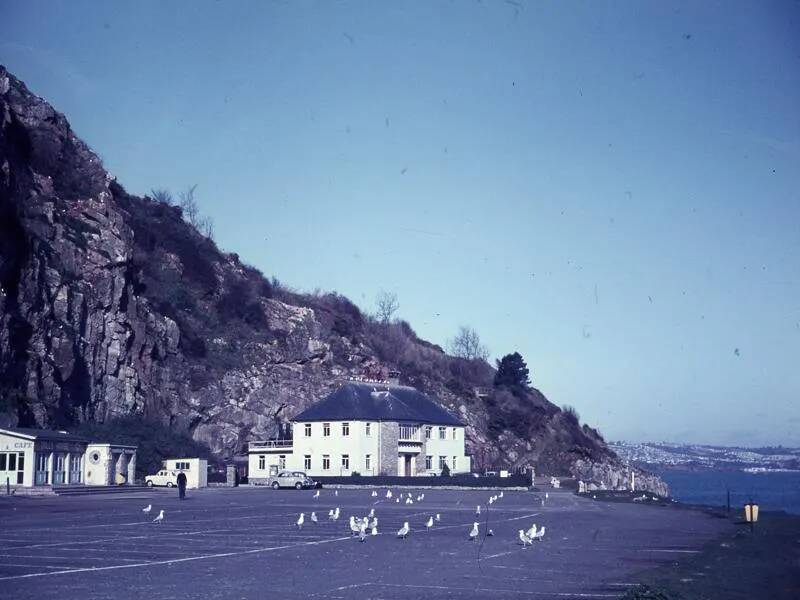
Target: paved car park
[(243, 543)]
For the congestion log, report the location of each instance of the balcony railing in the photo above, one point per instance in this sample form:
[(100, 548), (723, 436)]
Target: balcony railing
[(270, 445)]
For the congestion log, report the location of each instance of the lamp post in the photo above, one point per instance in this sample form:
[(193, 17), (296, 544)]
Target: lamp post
[(751, 513)]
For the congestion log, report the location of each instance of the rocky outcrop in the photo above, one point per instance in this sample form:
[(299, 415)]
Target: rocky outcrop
[(112, 304)]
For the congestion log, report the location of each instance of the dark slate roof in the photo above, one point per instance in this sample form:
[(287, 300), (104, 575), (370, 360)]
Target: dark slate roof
[(45, 434), (378, 402)]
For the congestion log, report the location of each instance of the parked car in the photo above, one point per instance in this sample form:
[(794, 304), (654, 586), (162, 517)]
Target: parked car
[(164, 477), (291, 479)]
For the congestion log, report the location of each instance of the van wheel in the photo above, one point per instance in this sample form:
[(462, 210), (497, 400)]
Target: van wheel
[(298, 486), (150, 483), (275, 485), (169, 484)]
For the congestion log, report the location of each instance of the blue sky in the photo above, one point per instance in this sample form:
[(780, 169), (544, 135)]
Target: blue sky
[(611, 189)]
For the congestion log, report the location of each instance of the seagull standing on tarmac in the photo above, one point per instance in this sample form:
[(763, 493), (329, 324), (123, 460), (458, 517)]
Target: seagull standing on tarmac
[(375, 529), (539, 534), (336, 514), (159, 518), (374, 524), (438, 517), (403, 533), (316, 495), (330, 515), (526, 541), (371, 512), (473, 534), (313, 517), (429, 523), (362, 533), (531, 533), (478, 511), (146, 510), (388, 494), (301, 520), (336, 493), (501, 494)]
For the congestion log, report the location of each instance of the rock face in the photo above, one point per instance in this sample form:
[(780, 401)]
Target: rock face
[(112, 304)]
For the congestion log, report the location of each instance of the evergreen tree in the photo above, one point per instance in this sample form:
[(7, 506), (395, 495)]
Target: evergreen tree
[(512, 372)]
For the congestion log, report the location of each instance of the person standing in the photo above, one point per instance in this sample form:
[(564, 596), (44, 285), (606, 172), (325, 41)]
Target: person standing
[(182, 485)]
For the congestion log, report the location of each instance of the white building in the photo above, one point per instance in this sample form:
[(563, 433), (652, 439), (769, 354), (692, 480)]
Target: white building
[(195, 469), (39, 457), (370, 429)]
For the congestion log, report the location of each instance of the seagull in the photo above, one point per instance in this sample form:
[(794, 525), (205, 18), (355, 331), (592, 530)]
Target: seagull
[(365, 522), (547, 495), (362, 534), (524, 539), (374, 530), (409, 501), (397, 500), (478, 510), (301, 520), (388, 493), (429, 523), (490, 533), (316, 495), (159, 518), (374, 493), (146, 510), (330, 514), (336, 514), (473, 534), (422, 496), (501, 494), (313, 517), (374, 524), (371, 512), (354, 529), (540, 534), (335, 492), (438, 517), (491, 499), (531, 533), (403, 531)]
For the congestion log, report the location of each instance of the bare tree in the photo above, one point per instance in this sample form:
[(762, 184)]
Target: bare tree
[(206, 227), (387, 305), (467, 344), (162, 196), (188, 204)]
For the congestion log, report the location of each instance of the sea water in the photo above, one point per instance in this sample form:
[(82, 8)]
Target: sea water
[(770, 490)]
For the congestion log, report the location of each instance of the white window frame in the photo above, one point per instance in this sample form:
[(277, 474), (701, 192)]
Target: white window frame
[(346, 429), (368, 429), (368, 462), (326, 462), (307, 429), (442, 433), (442, 462), (326, 430), (429, 462), (262, 462), (345, 462), (281, 461), (428, 431), (307, 462)]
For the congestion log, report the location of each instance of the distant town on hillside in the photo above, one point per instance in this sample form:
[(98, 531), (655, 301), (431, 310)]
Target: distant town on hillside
[(664, 455)]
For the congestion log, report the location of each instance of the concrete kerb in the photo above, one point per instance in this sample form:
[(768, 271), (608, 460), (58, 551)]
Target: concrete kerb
[(350, 486)]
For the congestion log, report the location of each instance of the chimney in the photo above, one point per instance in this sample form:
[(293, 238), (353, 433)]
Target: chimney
[(394, 378)]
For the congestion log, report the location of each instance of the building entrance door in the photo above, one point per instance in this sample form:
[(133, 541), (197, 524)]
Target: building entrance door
[(407, 465)]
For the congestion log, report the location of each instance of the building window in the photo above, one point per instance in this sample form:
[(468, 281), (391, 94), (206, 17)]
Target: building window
[(2, 461), (368, 429), (182, 466), (442, 433), (442, 462), (262, 462), (455, 464), (428, 430), (308, 429), (307, 462), (326, 429), (429, 463), (455, 433), (367, 463), (326, 462), (345, 462), (282, 461), (345, 429)]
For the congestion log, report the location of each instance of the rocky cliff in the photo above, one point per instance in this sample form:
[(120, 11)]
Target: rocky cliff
[(111, 304)]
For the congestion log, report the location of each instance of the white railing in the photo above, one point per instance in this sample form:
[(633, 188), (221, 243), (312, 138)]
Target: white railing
[(269, 445), (409, 433)]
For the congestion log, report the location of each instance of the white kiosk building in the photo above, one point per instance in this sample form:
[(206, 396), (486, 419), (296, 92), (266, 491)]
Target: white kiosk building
[(370, 428), (39, 457)]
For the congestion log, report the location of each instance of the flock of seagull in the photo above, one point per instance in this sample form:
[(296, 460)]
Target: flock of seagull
[(364, 527)]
